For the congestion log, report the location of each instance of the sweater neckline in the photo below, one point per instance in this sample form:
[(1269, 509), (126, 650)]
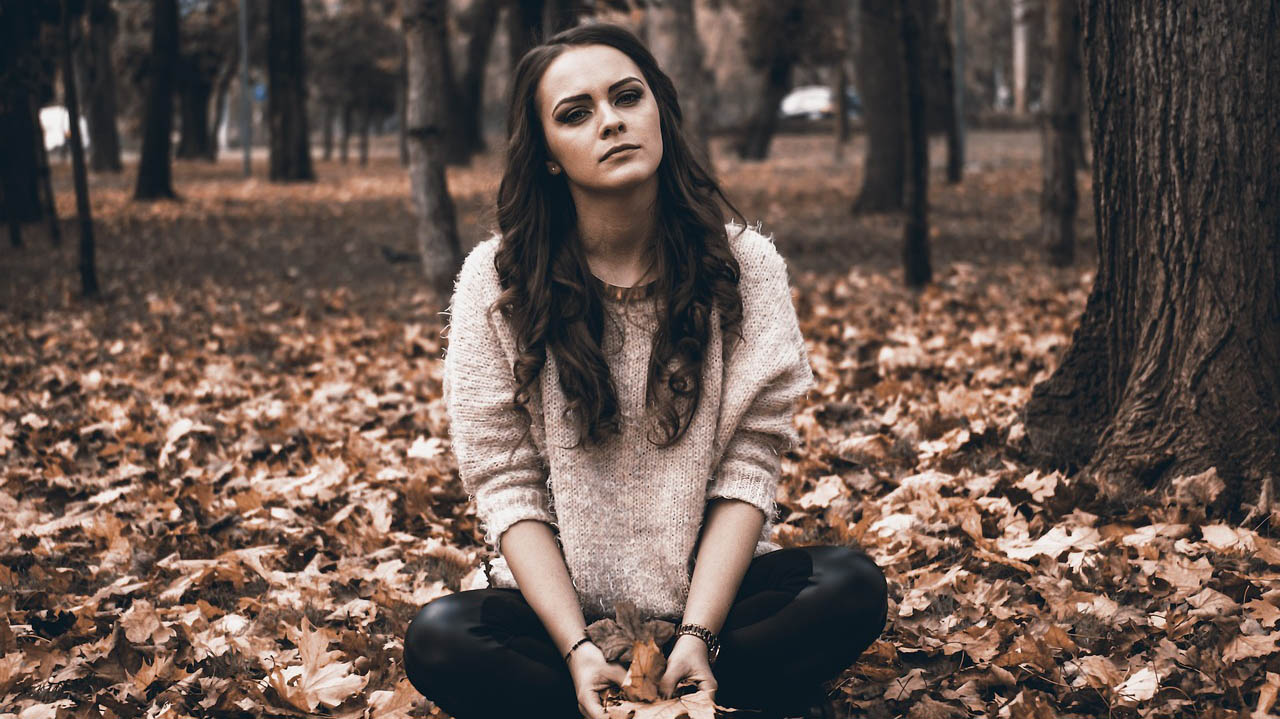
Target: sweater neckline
[(618, 293)]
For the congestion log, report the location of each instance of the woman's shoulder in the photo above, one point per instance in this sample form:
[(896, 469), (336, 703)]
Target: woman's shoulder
[(758, 257), (479, 276)]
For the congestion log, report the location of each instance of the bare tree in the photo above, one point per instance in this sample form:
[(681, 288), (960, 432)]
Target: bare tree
[(1061, 132), (438, 246), (155, 166), (882, 77), (915, 245), (99, 89), (80, 174), (287, 93), (1175, 367)]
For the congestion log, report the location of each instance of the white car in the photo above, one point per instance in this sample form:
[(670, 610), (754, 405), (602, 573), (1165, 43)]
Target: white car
[(56, 124), (815, 102)]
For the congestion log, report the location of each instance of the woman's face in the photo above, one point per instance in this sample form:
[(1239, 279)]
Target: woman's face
[(591, 100)]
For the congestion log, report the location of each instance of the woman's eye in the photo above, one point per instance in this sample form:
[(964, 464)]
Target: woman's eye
[(630, 97), (573, 115)]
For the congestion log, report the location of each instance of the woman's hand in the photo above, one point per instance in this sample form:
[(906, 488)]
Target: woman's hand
[(592, 674), (688, 661)]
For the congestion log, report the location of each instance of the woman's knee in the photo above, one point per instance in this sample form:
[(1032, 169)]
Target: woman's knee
[(434, 632), (858, 581)]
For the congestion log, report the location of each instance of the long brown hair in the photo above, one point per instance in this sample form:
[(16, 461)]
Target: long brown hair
[(548, 295)]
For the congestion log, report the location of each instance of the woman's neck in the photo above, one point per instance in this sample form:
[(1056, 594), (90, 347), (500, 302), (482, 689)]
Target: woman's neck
[(617, 232)]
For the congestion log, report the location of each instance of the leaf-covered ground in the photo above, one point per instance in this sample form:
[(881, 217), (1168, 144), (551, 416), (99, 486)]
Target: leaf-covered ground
[(227, 488)]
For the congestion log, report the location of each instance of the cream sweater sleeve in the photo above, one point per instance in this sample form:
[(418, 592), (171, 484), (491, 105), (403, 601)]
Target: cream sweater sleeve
[(504, 475), (766, 374)]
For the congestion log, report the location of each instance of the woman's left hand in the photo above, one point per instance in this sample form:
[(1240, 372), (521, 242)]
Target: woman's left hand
[(688, 661)]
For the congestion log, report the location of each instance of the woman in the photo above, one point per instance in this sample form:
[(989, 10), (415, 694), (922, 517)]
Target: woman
[(622, 367)]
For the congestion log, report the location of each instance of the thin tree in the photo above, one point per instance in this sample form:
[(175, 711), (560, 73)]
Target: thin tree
[(80, 175), (1175, 367), (100, 88), (438, 245), (1061, 132), (915, 241), (882, 79), (290, 142), (672, 34), (155, 165)]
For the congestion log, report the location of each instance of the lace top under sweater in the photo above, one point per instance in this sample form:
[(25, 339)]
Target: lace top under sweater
[(628, 513)]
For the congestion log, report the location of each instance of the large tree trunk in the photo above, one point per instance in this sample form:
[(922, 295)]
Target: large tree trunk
[(79, 173), (1061, 131), (100, 89), (482, 22), (673, 39), (524, 27), (915, 246), (438, 246), (22, 139), (287, 93), (882, 77), (195, 91), (1175, 367), (155, 165), (951, 59), (763, 122)]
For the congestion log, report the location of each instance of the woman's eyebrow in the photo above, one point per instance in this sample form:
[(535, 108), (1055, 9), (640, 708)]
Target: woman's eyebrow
[(585, 96)]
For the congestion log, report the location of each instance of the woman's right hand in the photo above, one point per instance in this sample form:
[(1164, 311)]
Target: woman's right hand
[(591, 675)]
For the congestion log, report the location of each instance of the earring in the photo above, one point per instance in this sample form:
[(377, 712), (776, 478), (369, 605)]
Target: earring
[(553, 168)]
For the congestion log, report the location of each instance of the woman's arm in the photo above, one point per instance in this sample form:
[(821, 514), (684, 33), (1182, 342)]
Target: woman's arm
[(539, 568), (728, 542)]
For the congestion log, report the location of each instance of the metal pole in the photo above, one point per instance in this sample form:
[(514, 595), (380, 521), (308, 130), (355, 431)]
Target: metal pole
[(246, 97)]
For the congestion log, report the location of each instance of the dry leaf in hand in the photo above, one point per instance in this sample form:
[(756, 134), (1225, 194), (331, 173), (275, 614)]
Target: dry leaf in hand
[(697, 705), (616, 637), (646, 669)]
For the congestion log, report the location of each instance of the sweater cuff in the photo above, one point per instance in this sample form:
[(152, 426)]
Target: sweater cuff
[(516, 504), (748, 482)]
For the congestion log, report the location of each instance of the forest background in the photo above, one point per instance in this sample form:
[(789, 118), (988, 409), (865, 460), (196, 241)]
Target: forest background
[(1035, 253)]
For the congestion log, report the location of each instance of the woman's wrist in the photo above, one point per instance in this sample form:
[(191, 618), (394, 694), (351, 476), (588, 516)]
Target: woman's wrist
[(584, 639)]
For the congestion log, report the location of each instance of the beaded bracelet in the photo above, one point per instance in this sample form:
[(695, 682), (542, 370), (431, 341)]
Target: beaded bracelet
[(576, 644)]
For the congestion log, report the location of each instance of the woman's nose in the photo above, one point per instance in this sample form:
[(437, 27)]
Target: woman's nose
[(610, 122)]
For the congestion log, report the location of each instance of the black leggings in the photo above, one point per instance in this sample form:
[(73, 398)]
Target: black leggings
[(802, 615)]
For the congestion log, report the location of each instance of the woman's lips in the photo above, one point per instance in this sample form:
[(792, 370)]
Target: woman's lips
[(614, 152)]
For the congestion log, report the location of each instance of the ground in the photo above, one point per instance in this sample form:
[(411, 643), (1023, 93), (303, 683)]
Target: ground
[(227, 487)]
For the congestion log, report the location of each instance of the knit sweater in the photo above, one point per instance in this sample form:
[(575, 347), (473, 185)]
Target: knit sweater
[(627, 514)]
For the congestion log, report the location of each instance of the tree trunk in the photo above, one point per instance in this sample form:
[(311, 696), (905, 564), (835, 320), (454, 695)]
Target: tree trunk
[(915, 245), (524, 27), (344, 139), (1021, 31), (155, 165), (402, 93), (438, 246), (1175, 367), (1061, 132), (100, 89), (951, 65), (19, 155), (326, 135), (287, 93), (364, 136), (882, 78), (221, 89), (673, 39), (483, 21), (763, 123), (194, 94), (80, 175)]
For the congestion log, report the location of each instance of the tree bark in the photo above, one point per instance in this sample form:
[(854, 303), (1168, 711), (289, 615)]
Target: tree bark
[(482, 22), (763, 123), (80, 174), (344, 139), (194, 94), (438, 245), (155, 165), (365, 121), (952, 64), (1061, 132), (287, 93), (326, 134), (19, 158), (915, 245), (524, 27), (673, 40), (882, 78), (1021, 31), (100, 89), (1175, 367)]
